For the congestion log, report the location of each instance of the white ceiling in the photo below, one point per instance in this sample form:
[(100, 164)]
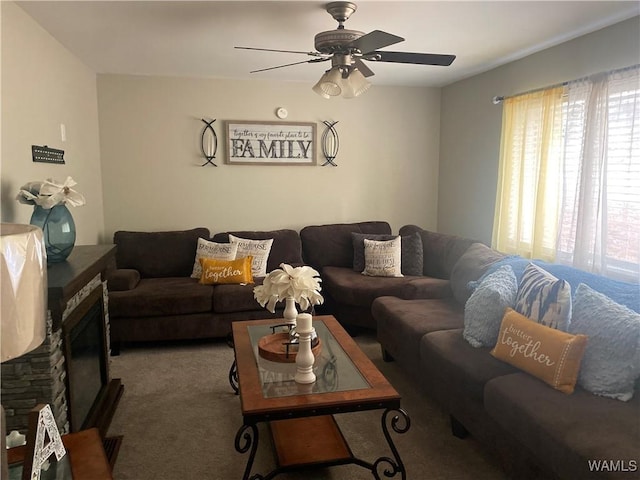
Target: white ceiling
[(196, 39)]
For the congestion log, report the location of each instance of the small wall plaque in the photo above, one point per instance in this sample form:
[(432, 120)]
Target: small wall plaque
[(46, 154)]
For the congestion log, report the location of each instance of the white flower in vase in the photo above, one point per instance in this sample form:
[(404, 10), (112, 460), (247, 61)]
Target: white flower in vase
[(300, 283)]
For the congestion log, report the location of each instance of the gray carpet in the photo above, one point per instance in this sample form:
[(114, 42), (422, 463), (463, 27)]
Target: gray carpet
[(179, 418)]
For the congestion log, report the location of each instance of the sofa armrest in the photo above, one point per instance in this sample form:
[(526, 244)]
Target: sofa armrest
[(122, 279)]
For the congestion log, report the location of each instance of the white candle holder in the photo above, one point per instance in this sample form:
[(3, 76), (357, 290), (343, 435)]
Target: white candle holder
[(304, 357)]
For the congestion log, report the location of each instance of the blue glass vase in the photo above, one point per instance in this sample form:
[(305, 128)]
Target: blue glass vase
[(59, 231)]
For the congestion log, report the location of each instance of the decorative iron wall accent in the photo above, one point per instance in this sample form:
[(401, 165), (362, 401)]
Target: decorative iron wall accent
[(330, 143), (209, 143)]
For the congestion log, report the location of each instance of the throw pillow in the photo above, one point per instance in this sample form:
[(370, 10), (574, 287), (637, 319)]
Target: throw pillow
[(258, 249), (382, 259), (216, 271), (207, 249), (410, 251), (485, 308), (546, 353), (544, 298), (611, 363)]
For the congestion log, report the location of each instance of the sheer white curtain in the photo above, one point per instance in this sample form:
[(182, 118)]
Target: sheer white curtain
[(599, 228)]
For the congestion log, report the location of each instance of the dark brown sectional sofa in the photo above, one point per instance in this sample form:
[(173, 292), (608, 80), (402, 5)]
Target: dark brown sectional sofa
[(153, 298), (536, 431)]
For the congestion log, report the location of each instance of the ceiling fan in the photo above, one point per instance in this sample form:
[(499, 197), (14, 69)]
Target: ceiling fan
[(347, 49)]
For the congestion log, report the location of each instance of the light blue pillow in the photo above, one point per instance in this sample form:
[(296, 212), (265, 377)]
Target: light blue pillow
[(485, 307), (611, 362)]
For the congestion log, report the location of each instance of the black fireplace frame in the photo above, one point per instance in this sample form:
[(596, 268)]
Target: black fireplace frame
[(74, 318)]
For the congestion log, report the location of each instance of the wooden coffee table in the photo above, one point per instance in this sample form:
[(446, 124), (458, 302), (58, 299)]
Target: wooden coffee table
[(300, 417)]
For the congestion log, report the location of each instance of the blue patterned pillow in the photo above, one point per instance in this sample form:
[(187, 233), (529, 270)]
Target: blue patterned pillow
[(611, 362), (544, 299), (485, 307)]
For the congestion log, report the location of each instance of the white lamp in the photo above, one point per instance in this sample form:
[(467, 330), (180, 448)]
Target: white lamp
[(23, 287)]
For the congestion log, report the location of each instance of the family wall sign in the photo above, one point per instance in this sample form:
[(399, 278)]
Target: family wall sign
[(271, 143)]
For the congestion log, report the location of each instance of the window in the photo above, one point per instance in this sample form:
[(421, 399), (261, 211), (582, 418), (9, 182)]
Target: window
[(569, 182)]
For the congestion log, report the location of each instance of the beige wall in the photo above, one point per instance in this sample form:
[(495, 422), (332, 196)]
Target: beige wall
[(43, 86), (150, 132), (471, 124)]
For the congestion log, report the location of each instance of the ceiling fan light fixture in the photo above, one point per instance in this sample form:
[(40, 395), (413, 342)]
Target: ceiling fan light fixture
[(318, 88), (355, 84), (329, 83)]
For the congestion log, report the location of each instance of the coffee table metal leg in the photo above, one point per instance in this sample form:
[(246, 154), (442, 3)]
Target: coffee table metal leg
[(233, 377), (400, 423), (247, 441)]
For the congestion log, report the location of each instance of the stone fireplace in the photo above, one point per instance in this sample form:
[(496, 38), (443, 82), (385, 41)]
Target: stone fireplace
[(70, 370)]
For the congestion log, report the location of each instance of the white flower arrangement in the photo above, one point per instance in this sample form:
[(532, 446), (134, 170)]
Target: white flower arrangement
[(48, 194), (300, 283)]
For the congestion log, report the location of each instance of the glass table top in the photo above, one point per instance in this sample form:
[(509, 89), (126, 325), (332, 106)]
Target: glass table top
[(334, 369)]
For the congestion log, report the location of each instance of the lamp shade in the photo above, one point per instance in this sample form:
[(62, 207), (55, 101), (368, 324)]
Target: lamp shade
[(318, 88), (355, 84), (23, 264), (329, 84)]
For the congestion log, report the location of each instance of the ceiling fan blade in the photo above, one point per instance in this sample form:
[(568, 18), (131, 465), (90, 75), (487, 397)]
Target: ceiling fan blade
[(415, 58), (313, 60), (374, 40), (360, 65), (313, 54)]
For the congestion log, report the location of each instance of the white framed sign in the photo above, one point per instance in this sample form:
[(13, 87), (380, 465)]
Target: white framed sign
[(271, 143)]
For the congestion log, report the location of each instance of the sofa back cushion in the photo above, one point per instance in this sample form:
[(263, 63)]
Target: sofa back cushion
[(286, 246), (158, 254), (332, 245), (473, 263), (440, 251)]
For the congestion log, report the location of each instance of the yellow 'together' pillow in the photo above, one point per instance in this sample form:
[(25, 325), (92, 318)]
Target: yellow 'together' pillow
[(216, 271), (551, 355)]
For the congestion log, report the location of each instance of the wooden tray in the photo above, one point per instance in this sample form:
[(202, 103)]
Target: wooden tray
[(272, 347)]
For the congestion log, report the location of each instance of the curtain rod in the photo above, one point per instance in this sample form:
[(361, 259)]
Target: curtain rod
[(499, 99)]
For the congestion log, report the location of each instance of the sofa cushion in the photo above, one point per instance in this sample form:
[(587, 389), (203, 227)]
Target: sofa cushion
[(232, 298), (331, 244), (402, 323), (544, 298), (286, 246), (459, 367), (473, 263), (382, 258), (611, 363), (485, 308), (411, 251), (565, 431), (551, 355), (440, 251), (162, 296), (352, 288), (158, 254)]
